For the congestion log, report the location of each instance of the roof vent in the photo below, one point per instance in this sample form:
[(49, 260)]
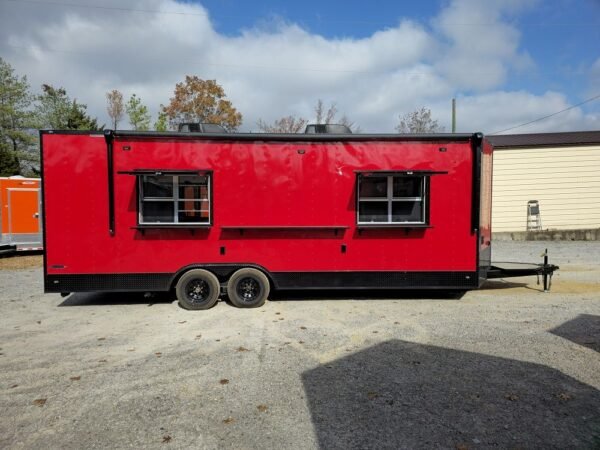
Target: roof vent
[(196, 127), (327, 128)]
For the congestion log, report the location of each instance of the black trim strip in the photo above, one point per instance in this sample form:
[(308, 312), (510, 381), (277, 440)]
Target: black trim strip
[(42, 185), (366, 173), (284, 227), (366, 226), (476, 145), (108, 136), (298, 137), (164, 171), (148, 282), (375, 280), (175, 226), (134, 282)]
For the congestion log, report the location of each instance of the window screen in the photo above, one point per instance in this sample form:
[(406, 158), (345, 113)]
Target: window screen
[(391, 199), (174, 199)]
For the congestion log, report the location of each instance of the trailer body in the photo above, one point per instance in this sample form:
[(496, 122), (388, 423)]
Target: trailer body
[(310, 211), (20, 227)]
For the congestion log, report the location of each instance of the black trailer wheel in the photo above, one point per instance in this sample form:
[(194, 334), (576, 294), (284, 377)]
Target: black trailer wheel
[(248, 288), (198, 289)]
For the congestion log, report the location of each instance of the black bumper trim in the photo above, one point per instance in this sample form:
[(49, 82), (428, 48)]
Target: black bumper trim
[(139, 282), (375, 280), (148, 282)]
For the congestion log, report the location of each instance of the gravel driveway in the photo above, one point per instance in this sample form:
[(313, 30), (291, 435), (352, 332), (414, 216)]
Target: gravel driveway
[(503, 367)]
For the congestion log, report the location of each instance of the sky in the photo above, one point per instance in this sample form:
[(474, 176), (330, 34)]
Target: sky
[(507, 62)]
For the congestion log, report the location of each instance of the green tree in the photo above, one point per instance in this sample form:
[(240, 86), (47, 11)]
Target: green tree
[(197, 100), (17, 138), (162, 123), (78, 119), (419, 121), (57, 111), (139, 117)]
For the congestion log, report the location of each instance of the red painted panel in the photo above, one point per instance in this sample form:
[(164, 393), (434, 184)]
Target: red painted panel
[(260, 183)]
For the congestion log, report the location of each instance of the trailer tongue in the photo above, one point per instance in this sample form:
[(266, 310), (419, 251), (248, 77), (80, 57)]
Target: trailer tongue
[(516, 269)]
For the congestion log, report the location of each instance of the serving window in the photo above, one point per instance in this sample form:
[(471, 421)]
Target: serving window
[(174, 199), (392, 198)]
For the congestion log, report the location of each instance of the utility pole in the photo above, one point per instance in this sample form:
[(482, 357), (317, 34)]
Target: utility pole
[(454, 115)]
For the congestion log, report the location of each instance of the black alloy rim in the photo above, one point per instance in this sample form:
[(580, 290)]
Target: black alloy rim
[(248, 289), (197, 291)]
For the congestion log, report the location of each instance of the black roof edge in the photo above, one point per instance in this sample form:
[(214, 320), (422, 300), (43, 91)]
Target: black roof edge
[(299, 136), (82, 132), (275, 136)]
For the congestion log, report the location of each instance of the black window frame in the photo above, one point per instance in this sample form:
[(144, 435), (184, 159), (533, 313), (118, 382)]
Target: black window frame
[(174, 200), (389, 199)]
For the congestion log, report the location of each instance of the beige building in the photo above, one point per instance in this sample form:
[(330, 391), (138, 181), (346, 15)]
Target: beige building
[(561, 171)]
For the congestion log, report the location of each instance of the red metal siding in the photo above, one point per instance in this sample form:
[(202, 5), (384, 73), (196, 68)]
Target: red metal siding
[(257, 183)]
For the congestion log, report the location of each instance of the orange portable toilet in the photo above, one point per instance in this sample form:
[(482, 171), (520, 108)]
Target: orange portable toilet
[(20, 208)]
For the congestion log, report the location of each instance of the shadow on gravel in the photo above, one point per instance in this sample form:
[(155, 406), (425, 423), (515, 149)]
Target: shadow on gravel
[(583, 330), (501, 283), (372, 294), (405, 395), (115, 298), (134, 298)]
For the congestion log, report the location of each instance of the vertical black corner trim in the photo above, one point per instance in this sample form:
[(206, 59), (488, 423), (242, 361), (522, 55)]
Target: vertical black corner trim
[(109, 137), (476, 145), (427, 200), (43, 188)]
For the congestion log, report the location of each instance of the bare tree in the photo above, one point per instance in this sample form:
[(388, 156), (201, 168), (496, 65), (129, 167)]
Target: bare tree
[(115, 107), (344, 120), (419, 121), (293, 124), (287, 124), (323, 116), (328, 115)]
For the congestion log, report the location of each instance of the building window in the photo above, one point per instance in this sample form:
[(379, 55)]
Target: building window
[(392, 199), (174, 199)]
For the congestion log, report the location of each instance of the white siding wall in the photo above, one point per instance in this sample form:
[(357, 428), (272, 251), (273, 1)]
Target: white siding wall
[(565, 181)]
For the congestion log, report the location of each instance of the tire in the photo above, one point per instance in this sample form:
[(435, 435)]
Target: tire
[(248, 288), (198, 289)]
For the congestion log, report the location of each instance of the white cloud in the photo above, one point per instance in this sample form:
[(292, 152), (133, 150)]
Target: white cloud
[(479, 46), (594, 76), (280, 68)]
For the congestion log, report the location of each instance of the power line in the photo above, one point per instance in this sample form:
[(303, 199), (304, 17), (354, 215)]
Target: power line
[(591, 99), (315, 20), (108, 8)]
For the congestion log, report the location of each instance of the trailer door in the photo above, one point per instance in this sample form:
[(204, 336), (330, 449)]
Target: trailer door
[(24, 216)]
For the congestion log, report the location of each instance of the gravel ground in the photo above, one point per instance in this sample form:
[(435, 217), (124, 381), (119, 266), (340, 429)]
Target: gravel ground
[(20, 262), (503, 367)]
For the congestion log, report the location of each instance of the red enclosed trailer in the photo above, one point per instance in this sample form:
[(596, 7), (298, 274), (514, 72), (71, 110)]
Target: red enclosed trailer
[(206, 214)]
